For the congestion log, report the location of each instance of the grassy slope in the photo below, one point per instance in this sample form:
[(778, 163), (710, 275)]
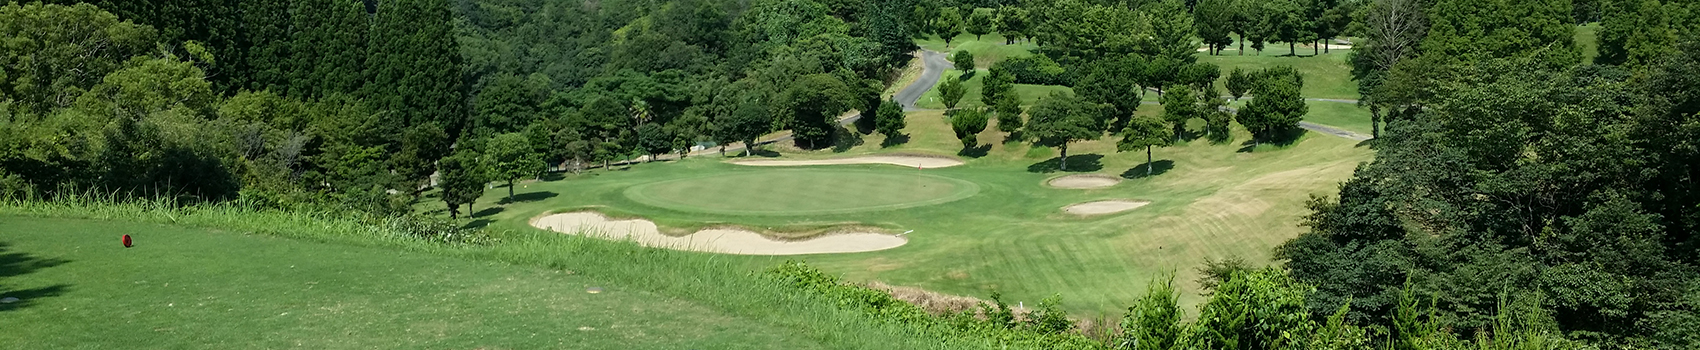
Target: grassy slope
[(1209, 201), (186, 288), (1326, 76), (1587, 39)]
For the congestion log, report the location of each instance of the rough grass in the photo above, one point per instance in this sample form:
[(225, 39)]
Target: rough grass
[(1587, 40), (987, 50), (1208, 200)]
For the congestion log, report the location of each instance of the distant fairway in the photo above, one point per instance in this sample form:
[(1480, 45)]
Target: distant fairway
[(802, 191)]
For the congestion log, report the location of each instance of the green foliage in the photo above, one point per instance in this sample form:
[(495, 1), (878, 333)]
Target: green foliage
[(1145, 132), (996, 84), (951, 90), (1012, 23), (1278, 105), (508, 104), (328, 48), (462, 177), (1036, 69), (1260, 309), (1088, 30), (890, 120), (1239, 83), (512, 157), (1115, 82), (746, 123), (1171, 31), (968, 123), (1154, 321), (1469, 31), (948, 24), (1008, 109), (963, 60), (1060, 119), (54, 52), (1212, 22), (266, 41), (415, 73), (1180, 105), (980, 23), (811, 107)]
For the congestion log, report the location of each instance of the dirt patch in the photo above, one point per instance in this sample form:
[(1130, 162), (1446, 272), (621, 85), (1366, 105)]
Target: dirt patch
[(901, 160), (720, 240), (1086, 181), (1103, 207)]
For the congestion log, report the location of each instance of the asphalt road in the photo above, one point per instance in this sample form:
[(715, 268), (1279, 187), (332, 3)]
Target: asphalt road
[(932, 65)]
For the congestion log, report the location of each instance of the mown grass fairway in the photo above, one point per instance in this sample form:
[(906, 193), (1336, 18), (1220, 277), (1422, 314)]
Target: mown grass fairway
[(1208, 200), (193, 288), (801, 192)]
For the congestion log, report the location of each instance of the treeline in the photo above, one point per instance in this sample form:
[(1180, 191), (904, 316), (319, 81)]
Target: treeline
[(356, 104), (1509, 166)]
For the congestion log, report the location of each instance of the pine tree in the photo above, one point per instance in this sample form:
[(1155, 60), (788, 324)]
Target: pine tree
[(266, 43), (329, 46), (415, 65)]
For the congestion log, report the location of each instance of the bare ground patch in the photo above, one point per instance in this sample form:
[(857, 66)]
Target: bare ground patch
[(1103, 207), (714, 240), (1084, 181)]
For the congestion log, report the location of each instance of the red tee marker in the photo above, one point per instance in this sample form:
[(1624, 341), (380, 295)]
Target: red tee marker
[(126, 241)]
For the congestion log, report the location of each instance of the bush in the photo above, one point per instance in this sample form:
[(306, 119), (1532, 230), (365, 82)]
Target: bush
[(1035, 69)]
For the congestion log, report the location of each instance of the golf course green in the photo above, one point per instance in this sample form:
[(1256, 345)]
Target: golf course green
[(802, 191)]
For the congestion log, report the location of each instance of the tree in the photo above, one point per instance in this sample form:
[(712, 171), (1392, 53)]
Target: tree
[(968, 123), (1154, 320), (415, 66), (1060, 119), (1212, 22), (653, 140), (951, 91), (508, 104), (461, 180), (1145, 132), (1171, 32), (980, 23), (964, 61), (513, 158), (1180, 106), (1200, 76), (265, 38), (1114, 82), (53, 51), (421, 145), (812, 104), (1008, 109), (748, 121), (328, 47), (889, 120), (1285, 21), (1278, 106), (1012, 23), (1216, 117), (948, 24), (1239, 82), (996, 84)]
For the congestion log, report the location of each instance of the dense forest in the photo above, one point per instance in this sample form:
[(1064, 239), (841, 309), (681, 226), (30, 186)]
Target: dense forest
[(1522, 195)]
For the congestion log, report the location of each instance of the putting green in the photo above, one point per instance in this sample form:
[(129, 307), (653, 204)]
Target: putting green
[(802, 192)]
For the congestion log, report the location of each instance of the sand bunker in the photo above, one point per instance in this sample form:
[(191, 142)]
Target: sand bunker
[(1084, 181), (726, 241), (1103, 207), (908, 161)]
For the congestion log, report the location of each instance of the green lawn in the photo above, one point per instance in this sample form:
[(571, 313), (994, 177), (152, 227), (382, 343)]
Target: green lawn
[(1346, 116), (1208, 200), (987, 50), (1326, 76), (196, 288), (1587, 39), (793, 191), (1029, 93)]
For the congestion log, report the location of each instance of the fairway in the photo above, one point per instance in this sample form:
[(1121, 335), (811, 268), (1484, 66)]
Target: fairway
[(802, 192), (193, 288)]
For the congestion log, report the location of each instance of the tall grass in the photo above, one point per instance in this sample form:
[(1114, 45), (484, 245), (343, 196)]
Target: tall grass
[(706, 279)]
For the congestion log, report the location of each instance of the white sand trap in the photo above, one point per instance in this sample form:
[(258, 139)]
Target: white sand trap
[(725, 241), (1103, 207), (908, 161), (1084, 181)]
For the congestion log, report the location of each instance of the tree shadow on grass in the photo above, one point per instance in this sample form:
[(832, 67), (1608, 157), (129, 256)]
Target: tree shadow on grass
[(845, 139), (1156, 168), (1280, 139), (895, 140), (489, 211), (530, 197), (14, 263), (1079, 163), (976, 151), (477, 224)]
